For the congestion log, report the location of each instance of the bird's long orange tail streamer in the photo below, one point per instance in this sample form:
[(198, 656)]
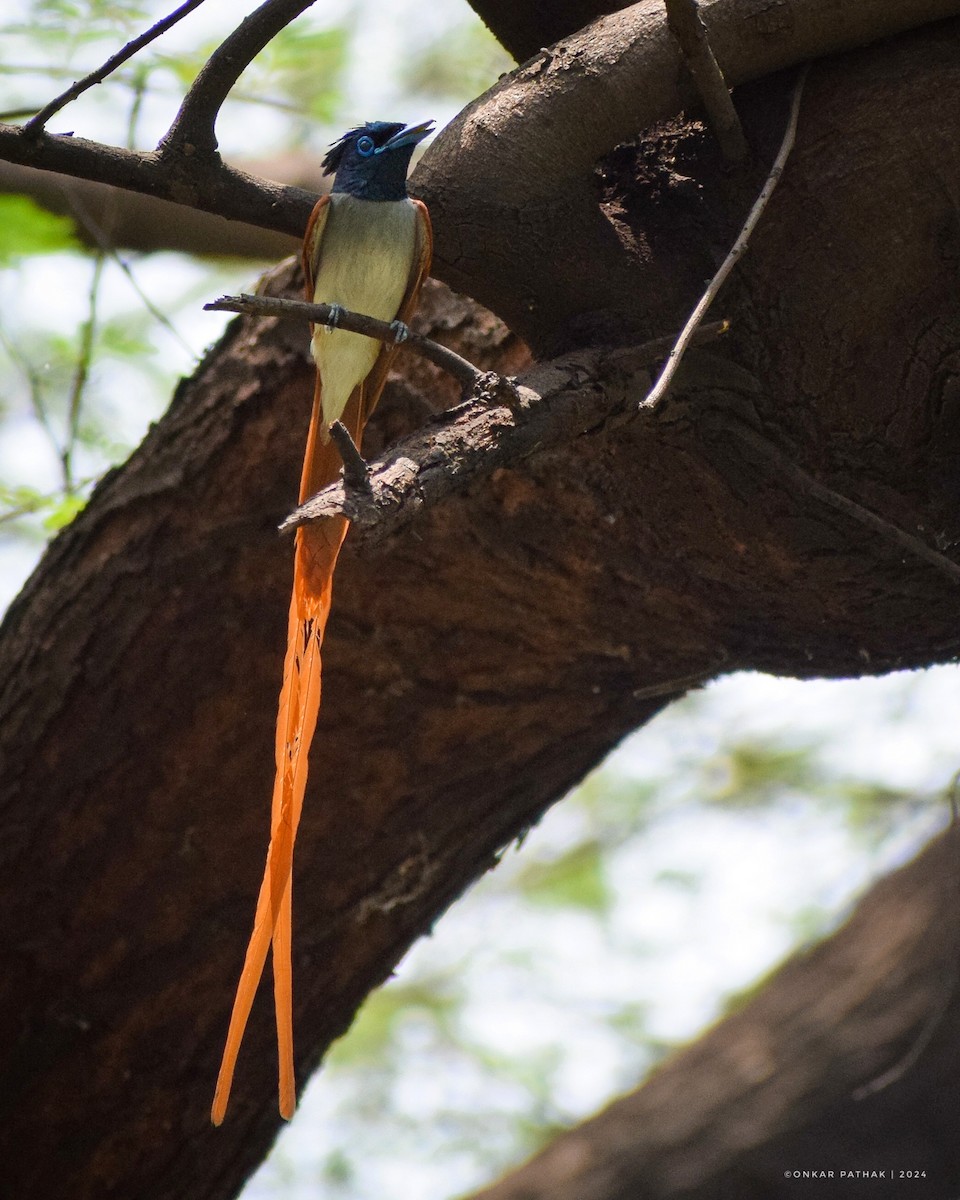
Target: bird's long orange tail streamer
[(317, 548)]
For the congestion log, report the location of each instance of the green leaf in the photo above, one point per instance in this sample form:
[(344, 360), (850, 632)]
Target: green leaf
[(27, 229), (57, 508), (124, 337), (574, 880), (21, 499), (64, 512), (754, 774)]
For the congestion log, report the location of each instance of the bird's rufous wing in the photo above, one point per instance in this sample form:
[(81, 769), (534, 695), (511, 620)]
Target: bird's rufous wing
[(420, 269)]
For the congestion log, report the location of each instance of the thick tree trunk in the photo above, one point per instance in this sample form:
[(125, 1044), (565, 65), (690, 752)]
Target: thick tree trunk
[(516, 167), (481, 661)]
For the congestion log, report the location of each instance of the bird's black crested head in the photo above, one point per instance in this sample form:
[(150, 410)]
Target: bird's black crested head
[(371, 161)]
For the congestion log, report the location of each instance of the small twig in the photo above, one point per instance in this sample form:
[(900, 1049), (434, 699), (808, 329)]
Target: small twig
[(465, 373), (806, 484), (99, 236), (627, 357), (683, 18), (195, 123), (34, 383), (662, 386), (88, 332), (948, 993), (670, 687), (356, 473), (81, 375), (36, 123)]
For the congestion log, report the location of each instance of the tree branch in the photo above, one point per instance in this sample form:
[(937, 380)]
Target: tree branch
[(576, 101), (146, 223), (194, 125), (208, 184), (589, 88), (465, 373), (555, 403), (683, 17), (356, 474), (36, 123)]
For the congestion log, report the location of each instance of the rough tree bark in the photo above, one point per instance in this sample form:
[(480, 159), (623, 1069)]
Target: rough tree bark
[(489, 654)]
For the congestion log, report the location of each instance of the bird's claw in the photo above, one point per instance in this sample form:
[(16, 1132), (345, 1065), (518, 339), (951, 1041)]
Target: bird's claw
[(336, 312), (400, 332)]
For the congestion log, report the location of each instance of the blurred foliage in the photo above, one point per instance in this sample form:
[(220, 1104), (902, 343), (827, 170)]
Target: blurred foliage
[(27, 229), (55, 509), (305, 67), (752, 774), (461, 63), (68, 25), (575, 879)]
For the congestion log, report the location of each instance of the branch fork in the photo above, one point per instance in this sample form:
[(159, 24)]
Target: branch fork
[(356, 473)]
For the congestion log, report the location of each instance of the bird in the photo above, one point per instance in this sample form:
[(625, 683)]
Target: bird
[(367, 249)]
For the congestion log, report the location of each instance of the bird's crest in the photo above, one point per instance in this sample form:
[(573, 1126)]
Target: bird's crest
[(379, 131)]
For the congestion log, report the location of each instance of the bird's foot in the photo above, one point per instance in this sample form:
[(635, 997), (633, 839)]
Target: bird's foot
[(336, 312), (400, 332)]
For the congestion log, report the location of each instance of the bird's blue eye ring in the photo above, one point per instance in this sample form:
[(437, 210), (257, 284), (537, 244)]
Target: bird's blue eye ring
[(365, 145)]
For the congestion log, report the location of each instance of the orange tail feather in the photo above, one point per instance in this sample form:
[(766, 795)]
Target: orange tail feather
[(317, 549)]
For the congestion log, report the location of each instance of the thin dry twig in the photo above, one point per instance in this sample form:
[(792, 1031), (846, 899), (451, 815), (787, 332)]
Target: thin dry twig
[(81, 374), (806, 484), (662, 386), (36, 123), (194, 125), (686, 25), (465, 373), (34, 381), (104, 243), (935, 1018)]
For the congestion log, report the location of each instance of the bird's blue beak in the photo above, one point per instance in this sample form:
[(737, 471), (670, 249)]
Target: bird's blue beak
[(409, 136)]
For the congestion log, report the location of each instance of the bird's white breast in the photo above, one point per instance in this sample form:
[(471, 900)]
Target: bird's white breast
[(366, 255)]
